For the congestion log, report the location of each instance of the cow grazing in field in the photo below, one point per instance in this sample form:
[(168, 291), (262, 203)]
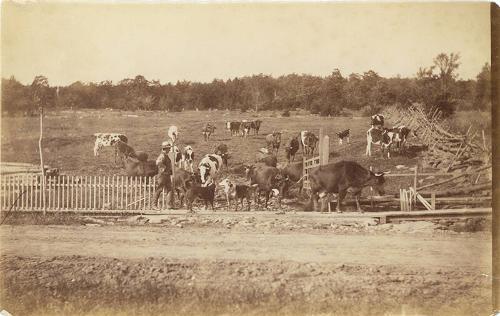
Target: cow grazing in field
[(108, 140), (209, 167), (245, 127), (377, 120), (124, 150), (137, 168), (308, 141), (173, 133), (291, 149), (382, 137), (341, 178), (197, 191), (222, 150), (269, 160), (273, 142), (345, 134), (188, 158), (233, 127), (236, 192), (207, 131), (292, 174), (266, 179), (255, 125)]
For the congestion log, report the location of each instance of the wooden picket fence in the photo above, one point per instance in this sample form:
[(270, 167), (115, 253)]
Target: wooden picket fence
[(78, 192)]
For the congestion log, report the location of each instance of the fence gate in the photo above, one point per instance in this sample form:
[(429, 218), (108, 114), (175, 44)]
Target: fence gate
[(322, 159), (78, 192)]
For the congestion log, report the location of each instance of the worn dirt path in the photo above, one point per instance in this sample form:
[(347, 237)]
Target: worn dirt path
[(212, 243)]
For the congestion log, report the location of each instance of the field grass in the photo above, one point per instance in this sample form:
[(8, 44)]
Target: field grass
[(68, 137)]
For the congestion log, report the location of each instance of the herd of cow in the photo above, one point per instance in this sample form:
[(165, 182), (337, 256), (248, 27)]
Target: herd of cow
[(264, 178)]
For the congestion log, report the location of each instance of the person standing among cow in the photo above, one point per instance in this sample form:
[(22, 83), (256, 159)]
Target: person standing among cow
[(164, 180)]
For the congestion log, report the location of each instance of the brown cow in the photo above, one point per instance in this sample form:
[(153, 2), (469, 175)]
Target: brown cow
[(343, 177)]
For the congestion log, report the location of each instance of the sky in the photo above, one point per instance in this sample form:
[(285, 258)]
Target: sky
[(91, 42)]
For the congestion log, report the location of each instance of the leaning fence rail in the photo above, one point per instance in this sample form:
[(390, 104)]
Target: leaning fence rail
[(79, 192)]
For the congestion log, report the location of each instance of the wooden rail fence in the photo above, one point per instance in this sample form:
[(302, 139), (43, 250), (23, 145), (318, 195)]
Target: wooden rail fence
[(79, 192)]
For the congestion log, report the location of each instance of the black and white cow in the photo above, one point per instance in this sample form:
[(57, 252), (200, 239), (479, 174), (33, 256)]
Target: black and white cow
[(378, 120), (188, 158), (382, 137), (245, 127), (308, 141), (209, 167), (108, 140), (401, 134), (345, 134)]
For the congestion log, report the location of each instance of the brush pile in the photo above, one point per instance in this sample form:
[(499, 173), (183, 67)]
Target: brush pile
[(446, 151)]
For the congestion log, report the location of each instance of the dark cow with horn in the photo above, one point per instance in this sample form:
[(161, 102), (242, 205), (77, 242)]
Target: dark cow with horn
[(292, 148), (343, 177)]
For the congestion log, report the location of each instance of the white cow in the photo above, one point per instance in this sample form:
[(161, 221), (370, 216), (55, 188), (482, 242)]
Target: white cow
[(209, 167), (173, 133), (108, 140)]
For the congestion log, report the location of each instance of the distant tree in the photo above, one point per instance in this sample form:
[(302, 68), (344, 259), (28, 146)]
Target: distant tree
[(41, 94), (482, 96)]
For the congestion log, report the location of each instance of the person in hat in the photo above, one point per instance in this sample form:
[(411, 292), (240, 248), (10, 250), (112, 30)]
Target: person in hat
[(164, 172)]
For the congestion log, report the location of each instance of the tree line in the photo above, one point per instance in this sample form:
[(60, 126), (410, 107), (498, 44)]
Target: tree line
[(436, 85)]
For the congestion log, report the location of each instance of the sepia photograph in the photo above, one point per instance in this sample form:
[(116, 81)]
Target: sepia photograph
[(248, 158)]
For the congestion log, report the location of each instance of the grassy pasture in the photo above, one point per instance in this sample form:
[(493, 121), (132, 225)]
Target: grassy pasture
[(69, 140)]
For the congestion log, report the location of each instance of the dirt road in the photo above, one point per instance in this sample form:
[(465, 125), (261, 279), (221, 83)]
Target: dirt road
[(188, 243), (171, 269)]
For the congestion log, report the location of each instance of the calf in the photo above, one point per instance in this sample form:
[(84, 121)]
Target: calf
[(273, 141), (207, 131), (377, 120), (236, 192), (209, 167), (345, 134), (107, 140), (196, 191), (341, 178), (173, 133), (291, 149), (181, 183), (266, 179), (187, 158), (382, 137)]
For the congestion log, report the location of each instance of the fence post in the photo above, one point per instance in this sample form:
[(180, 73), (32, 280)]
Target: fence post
[(415, 184)]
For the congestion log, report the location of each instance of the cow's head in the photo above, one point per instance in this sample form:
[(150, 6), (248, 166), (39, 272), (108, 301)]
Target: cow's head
[(377, 181), (204, 172), (249, 171)]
